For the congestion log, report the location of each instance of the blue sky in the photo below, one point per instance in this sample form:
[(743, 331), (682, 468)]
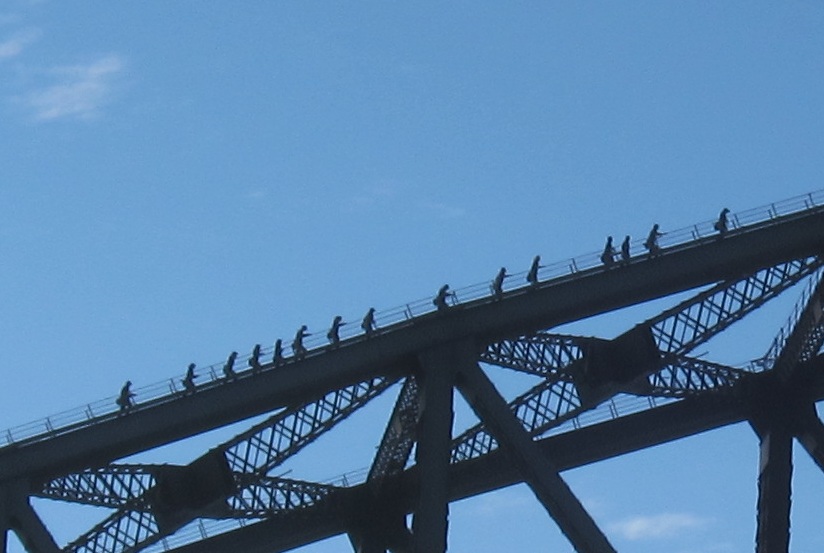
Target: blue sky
[(180, 180)]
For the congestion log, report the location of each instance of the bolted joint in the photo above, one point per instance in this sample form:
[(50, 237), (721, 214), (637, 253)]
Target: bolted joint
[(621, 360), (184, 493)]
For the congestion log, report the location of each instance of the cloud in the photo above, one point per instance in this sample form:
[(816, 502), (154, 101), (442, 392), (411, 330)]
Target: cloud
[(80, 91), (442, 210), (388, 196), (664, 525), (256, 194), (17, 42), (505, 501), (376, 197)]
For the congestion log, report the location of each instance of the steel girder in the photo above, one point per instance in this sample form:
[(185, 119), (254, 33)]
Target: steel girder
[(126, 486), (115, 486), (266, 445), (267, 496), (614, 437), (377, 526), (16, 514), (399, 437), (539, 471), (559, 359), (577, 387), (789, 412), (586, 370), (687, 376), (805, 335), (495, 470), (146, 513), (542, 354)]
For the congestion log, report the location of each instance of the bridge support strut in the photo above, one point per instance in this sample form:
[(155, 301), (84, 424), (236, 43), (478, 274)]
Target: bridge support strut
[(431, 519), (538, 471), (811, 434), (18, 515), (774, 487)]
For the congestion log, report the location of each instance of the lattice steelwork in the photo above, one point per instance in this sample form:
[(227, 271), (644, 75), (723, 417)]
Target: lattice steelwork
[(268, 496), (399, 437), (682, 328), (543, 354), (266, 445), (807, 335), (804, 304), (687, 376), (548, 402), (577, 374), (123, 531), (250, 455), (111, 486), (675, 331)]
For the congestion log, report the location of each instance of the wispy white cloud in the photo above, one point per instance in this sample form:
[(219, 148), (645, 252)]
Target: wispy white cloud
[(256, 194), (664, 525), (443, 210), (80, 90), (14, 45), (503, 501), (375, 197), (715, 547), (388, 196)]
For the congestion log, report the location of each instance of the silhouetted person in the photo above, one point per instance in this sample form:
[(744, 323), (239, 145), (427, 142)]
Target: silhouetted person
[(189, 380), (651, 243), (532, 275), (254, 360), (440, 299), (334, 332), (229, 366), (297, 344), (721, 225), (277, 354), (498, 284), (625, 256), (124, 400), (368, 323), (608, 257)]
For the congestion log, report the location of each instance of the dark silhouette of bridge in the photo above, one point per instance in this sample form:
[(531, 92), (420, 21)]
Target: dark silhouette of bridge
[(230, 499)]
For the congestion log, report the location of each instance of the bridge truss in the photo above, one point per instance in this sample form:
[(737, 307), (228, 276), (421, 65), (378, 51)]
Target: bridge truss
[(233, 497)]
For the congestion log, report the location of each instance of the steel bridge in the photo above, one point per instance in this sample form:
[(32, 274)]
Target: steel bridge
[(230, 499)]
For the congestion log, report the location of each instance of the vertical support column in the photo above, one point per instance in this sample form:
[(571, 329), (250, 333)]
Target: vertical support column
[(384, 532), (431, 518), (774, 489), (4, 522)]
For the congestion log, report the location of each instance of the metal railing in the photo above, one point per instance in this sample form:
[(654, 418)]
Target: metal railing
[(613, 408), (404, 315)]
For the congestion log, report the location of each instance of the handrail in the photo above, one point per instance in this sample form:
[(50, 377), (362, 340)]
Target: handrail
[(401, 316), (612, 409)]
